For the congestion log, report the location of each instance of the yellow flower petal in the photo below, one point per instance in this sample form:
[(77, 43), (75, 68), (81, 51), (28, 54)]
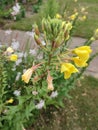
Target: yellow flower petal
[(63, 68), (82, 48), (83, 52), (10, 101), (13, 57), (67, 75), (79, 62), (68, 69)]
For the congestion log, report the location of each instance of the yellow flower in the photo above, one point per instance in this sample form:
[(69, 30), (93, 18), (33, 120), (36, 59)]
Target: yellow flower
[(79, 62), (75, 0), (49, 81), (69, 26), (9, 50), (58, 16), (83, 9), (10, 101), (13, 57), (68, 69), (84, 17), (73, 16), (83, 52), (27, 75)]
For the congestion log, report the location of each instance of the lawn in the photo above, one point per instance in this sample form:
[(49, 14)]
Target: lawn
[(82, 29)]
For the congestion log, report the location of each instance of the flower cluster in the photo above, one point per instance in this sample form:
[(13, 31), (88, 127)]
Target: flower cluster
[(35, 79), (15, 10)]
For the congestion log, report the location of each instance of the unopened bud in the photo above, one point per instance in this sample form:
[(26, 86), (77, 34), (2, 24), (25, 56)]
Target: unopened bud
[(38, 41), (36, 29)]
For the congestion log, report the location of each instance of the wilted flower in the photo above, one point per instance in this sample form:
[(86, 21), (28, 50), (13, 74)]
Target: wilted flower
[(40, 104), (54, 94), (68, 69), (27, 75), (13, 57), (49, 81)]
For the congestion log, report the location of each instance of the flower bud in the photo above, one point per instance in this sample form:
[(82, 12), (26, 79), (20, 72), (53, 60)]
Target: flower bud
[(37, 39), (36, 29)]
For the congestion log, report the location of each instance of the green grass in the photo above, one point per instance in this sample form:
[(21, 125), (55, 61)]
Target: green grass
[(25, 24), (83, 29), (80, 112)]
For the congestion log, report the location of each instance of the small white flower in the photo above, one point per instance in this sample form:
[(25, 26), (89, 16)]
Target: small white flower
[(40, 56), (18, 62), (40, 104), (43, 43), (8, 32), (20, 54), (34, 93), (18, 6), (14, 68), (32, 52), (54, 94), (18, 76), (17, 93), (14, 17), (9, 86), (24, 70), (15, 44), (16, 9), (25, 55)]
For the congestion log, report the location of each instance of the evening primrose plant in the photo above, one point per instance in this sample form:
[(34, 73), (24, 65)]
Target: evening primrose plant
[(30, 84)]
